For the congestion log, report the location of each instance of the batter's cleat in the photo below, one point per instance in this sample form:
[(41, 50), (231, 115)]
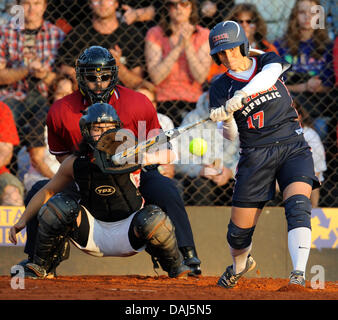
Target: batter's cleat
[(34, 271), (191, 260), (297, 277), (229, 279)]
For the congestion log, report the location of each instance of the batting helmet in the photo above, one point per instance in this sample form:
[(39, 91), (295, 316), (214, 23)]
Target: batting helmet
[(227, 35), (95, 60), (98, 113)]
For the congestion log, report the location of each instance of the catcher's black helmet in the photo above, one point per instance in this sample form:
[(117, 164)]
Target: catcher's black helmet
[(98, 113), (227, 35), (91, 61)]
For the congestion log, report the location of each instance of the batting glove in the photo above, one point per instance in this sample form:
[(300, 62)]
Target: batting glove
[(235, 103), (220, 114)]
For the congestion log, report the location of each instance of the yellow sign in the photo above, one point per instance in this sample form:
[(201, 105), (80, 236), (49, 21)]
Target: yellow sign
[(8, 217)]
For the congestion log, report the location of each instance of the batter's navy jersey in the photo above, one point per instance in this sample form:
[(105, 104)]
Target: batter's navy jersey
[(267, 117)]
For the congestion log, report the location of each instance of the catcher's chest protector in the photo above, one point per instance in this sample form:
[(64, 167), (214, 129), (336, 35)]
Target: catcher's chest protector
[(108, 197)]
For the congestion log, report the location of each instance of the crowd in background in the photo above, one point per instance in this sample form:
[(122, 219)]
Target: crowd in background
[(162, 51)]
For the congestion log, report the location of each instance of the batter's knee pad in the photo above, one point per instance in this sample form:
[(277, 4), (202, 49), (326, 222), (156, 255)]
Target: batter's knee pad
[(298, 211), (239, 238), (153, 226), (56, 220)]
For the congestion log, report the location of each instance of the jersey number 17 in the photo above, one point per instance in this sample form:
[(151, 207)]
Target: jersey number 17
[(257, 117)]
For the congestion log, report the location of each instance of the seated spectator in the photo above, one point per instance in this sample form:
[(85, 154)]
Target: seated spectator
[(247, 15), (210, 181), (177, 58), (125, 42), (311, 77), (316, 145), (168, 170), (11, 189), (27, 69), (41, 164)]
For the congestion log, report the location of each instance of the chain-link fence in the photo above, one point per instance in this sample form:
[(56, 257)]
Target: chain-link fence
[(142, 35)]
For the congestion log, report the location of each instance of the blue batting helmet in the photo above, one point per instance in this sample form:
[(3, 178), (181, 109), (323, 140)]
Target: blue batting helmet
[(227, 35)]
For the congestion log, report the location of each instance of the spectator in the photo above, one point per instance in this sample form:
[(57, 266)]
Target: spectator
[(177, 58), (5, 7), (208, 182), (26, 69), (335, 60), (275, 14), (143, 13), (309, 50), (318, 153), (168, 170), (105, 29), (316, 145), (66, 14), (62, 86), (248, 16), (331, 10), (11, 189), (42, 165), (213, 12)]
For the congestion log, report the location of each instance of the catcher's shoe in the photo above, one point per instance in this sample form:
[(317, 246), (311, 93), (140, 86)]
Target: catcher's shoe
[(191, 260), (34, 271), (178, 272), (229, 279), (297, 277), (22, 264)]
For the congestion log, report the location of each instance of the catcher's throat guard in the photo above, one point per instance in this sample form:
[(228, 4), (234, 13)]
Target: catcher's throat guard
[(104, 162)]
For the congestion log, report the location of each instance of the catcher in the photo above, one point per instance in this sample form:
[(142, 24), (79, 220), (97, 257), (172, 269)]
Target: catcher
[(109, 220)]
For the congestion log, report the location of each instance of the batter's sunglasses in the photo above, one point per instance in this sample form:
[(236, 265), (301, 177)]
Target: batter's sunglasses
[(95, 78), (182, 3)]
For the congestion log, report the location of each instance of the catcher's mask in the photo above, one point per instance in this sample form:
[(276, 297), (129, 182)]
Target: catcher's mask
[(96, 114), (227, 35), (96, 62)]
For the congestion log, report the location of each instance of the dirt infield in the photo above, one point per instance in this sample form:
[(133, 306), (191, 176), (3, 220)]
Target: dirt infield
[(133, 287)]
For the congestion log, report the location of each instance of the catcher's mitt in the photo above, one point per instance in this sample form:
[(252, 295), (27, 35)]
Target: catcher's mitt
[(112, 139), (108, 145)]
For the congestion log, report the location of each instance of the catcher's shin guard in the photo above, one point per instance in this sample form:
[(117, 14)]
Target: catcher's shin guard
[(56, 220), (153, 226)]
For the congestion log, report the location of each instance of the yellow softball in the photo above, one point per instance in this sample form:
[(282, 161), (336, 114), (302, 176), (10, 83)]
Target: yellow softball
[(198, 146)]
